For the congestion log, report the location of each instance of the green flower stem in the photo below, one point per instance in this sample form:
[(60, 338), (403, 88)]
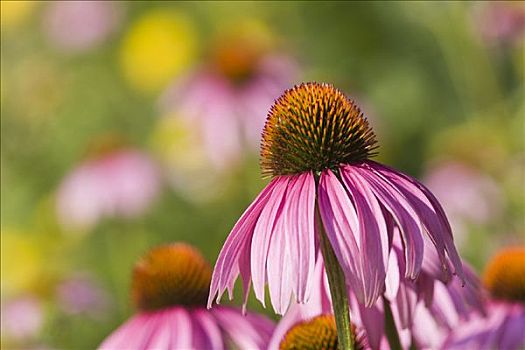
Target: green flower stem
[(336, 280), (390, 327)]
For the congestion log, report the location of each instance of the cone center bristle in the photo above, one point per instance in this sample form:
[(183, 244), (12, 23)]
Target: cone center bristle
[(313, 127), (169, 275), (505, 275), (317, 333)]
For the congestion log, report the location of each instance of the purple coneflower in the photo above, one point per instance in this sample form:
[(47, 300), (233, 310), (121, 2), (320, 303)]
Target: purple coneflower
[(503, 326), (170, 286), (326, 192), (114, 181)]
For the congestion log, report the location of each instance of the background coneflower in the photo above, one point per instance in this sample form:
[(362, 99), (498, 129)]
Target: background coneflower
[(326, 192), (114, 180), (502, 326), (169, 289)]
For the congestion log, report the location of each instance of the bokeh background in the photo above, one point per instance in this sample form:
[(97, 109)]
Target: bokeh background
[(129, 124)]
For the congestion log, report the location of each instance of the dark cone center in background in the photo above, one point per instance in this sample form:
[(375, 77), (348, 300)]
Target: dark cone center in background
[(170, 275), (504, 276)]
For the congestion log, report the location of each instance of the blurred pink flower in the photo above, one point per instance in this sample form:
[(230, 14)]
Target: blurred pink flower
[(191, 328), (503, 328), (229, 111), (80, 294), (468, 196), (80, 25), (121, 183), (500, 22), (22, 318)]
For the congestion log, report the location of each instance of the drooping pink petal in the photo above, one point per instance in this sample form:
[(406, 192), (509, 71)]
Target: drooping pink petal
[(405, 218), (227, 267), (135, 333), (372, 319), (445, 231), (162, 335), (392, 277), (300, 231), (373, 234), (207, 332), (430, 212), (262, 235), (280, 278), (182, 326), (246, 332), (340, 222)]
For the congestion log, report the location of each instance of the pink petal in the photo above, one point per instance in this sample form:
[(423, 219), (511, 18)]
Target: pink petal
[(300, 232), (374, 236), (207, 332), (392, 277), (420, 203), (162, 333), (227, 267), (405, 217), (262, 235), (280, 278), (246, 332), (183, 335), (372, 319), (431, 201), (339, 219)]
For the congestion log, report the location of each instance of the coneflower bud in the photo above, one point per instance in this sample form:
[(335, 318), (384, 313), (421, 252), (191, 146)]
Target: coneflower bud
[(318, 333), (505, 275), (174, 274), (313, 127)]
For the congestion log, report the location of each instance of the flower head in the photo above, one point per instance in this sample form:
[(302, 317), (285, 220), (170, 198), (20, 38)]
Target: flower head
[(501, 327), (169, 289), (317, 333), (317, 144), (314, 127), (174, 274), (505, 275)]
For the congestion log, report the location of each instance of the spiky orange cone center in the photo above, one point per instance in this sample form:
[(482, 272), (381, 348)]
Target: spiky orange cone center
[(313, 127)]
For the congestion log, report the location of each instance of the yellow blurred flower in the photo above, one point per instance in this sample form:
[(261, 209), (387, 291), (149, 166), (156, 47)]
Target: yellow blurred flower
[(21, 261), (14, 13), (158, 46)]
